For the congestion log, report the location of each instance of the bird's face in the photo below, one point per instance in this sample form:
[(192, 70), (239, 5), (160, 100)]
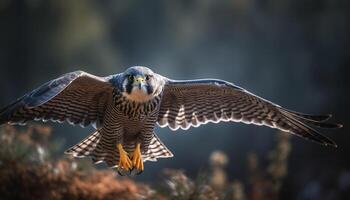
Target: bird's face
[(140, 84)]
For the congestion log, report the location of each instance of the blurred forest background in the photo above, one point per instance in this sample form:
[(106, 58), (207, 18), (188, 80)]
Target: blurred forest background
[(293, 52)]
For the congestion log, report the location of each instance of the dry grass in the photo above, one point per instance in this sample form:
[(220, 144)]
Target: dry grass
[(26, 174)]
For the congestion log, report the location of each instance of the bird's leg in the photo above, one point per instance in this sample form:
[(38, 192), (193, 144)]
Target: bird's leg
[(124, 160), (137, 158)]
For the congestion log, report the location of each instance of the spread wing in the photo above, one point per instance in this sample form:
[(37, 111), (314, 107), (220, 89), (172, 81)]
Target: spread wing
[(76, 97), (196, 102)]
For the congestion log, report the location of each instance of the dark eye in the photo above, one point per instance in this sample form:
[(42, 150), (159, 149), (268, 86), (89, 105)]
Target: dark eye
[(131, 77)]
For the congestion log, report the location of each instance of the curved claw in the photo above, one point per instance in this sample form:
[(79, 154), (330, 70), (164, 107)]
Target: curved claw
[(140, 172), (137, 161), (121, 171), (135, 171)]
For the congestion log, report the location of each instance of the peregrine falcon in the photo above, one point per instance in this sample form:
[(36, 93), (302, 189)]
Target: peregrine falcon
[(125, 108)]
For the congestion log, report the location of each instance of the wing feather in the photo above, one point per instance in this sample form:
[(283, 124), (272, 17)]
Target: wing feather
[(77, 98), (192, 103)]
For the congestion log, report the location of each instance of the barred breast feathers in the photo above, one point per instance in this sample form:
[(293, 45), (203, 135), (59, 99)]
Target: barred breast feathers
[(134, 109)]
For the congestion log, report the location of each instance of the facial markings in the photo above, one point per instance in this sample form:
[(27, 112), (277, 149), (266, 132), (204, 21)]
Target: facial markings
[(128, 84), (138, 87)]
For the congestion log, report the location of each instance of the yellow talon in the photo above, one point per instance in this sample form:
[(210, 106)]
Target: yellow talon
[(137, 158), (124, 160)]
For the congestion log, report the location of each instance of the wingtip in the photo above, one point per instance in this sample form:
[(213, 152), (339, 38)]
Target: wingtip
[(331, 125), (331, 144), (321, 118), (309, 117), (324, 117)]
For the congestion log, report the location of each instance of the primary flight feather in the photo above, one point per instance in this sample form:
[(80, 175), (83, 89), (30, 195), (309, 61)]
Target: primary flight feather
[(124, 108)]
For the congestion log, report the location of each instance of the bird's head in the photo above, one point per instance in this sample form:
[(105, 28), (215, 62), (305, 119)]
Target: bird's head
[(141, 84)]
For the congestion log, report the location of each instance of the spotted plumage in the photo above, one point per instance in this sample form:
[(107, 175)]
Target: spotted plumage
[(124, 109)]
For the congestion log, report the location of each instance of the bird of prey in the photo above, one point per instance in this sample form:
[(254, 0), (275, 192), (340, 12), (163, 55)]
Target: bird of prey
[(125, 108)]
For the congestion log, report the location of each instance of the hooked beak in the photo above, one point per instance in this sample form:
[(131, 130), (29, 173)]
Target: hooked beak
[(139, 81)]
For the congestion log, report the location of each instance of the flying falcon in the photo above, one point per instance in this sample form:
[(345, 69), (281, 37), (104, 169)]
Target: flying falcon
[(124, 109)]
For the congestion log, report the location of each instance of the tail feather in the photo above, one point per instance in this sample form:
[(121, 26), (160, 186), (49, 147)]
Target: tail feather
[(91, 146), (85, 147), (156, 150)]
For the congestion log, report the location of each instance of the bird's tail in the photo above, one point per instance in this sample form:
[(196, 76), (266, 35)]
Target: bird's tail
[(85, 147), (156, 150), (91, 146)]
